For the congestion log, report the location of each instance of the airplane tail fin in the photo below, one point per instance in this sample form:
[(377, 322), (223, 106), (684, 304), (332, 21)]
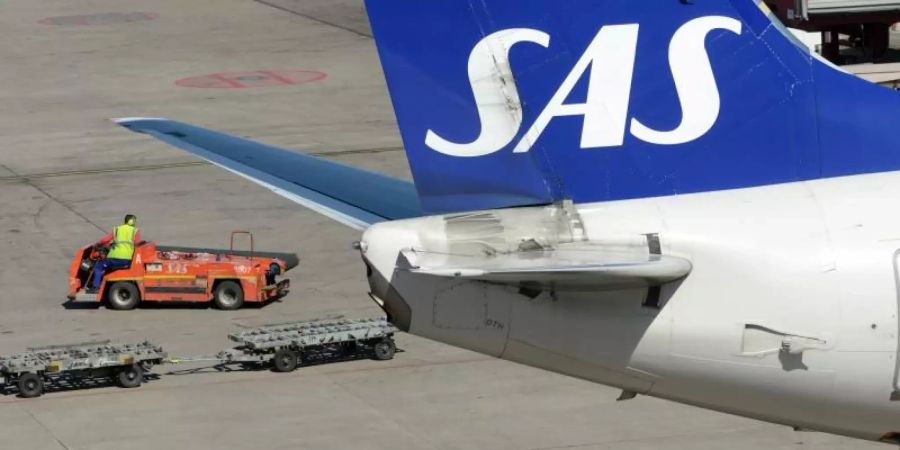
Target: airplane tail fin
[(521, 102)]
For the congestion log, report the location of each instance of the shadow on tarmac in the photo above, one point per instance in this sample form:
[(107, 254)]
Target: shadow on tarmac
[(73, 305)]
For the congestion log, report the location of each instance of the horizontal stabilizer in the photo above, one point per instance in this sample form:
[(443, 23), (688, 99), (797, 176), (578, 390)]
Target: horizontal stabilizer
[(355, 197), (570, 266)]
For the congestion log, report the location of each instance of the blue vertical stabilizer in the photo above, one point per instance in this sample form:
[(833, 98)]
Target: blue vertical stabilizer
[(521, 102)]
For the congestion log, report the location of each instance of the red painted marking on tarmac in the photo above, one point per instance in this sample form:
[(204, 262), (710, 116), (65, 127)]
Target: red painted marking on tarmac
[(252, 79), (99, 19), (227, 81), (275, 76)]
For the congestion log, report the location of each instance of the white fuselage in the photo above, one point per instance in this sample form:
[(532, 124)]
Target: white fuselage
[(789, 314)]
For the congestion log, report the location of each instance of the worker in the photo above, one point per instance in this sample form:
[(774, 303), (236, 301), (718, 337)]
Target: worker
[(121, 248)]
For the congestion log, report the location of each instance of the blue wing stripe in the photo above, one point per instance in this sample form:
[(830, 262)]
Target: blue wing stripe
[(355, 197)]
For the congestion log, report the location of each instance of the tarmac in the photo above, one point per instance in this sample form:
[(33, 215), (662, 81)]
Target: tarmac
[(68, 174)]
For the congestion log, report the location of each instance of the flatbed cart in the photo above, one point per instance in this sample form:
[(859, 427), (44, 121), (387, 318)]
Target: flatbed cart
[(32, 370), (286, 346)]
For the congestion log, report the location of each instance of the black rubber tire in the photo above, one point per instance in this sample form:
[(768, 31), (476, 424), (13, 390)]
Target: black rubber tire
[(30, 385), (123, 296), (228, 295), (384, 349), (285, 360), (130, 376)]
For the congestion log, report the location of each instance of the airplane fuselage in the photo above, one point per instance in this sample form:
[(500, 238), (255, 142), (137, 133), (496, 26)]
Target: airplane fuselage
[(789, 314)]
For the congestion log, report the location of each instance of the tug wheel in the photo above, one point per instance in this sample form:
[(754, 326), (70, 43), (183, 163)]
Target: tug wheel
[(228, 295), (130, 376), (285, 360), (123, 295), (30, 385), (384, 349)]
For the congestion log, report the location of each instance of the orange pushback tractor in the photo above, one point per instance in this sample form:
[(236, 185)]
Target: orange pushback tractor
[(228, 278)]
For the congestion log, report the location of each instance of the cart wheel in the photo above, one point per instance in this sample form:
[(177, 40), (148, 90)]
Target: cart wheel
[(385, 349), (285, 360), (228, 295), (130, 376), (123, 295), (31, 385)]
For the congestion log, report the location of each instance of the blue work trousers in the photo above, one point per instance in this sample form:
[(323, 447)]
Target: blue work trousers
[(108, 264)]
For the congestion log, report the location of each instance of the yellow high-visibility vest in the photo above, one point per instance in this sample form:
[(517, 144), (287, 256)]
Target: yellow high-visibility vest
[(123, 242)]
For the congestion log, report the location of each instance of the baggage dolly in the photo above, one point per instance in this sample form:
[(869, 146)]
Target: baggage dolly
[(32, 370), (283, 347), (286, 346)]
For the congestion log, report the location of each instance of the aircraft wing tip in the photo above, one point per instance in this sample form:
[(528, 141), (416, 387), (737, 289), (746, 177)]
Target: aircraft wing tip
[(131, 120)]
